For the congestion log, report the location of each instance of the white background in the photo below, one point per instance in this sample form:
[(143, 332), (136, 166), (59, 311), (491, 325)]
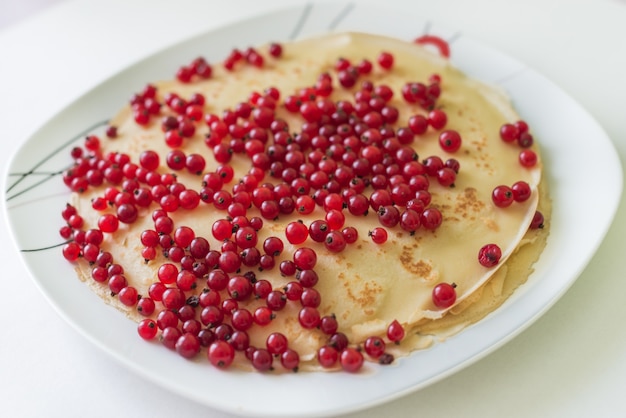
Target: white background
[(570, 363)]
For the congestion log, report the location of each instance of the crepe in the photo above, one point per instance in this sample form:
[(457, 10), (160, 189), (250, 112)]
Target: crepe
[(367, 286)]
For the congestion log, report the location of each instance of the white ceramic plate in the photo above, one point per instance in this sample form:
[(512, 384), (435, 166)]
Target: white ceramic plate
[(570, 138)]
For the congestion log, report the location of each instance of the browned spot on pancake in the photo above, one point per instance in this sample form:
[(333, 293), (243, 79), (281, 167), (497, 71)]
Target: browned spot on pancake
[(419, 268), (291, 324), (366, 296), (491, 224), (467, 203)]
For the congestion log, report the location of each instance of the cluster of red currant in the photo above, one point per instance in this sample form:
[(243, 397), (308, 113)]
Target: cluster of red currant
[(348, 158)]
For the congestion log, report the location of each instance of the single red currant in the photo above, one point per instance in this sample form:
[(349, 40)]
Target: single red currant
[(385, 60), (431, 218), (290, 359), (502, 196), (147, 329), (444, 295), (437, 119), (521, 191), (378, 235), (450, 141), (528, 158), (221, 354), (395, 331), (509, 132), (537, 221), (187, 345), (305, 258), (489, 255), (351, 360), (108, 223), (374, 346), (335, 242), (262, 359), (309, 317), (276, 343), (296, 232), (327, 356)]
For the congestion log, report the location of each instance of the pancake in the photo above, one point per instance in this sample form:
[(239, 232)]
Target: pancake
[(366, 286)]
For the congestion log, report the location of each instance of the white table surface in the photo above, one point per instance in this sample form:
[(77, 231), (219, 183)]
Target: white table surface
[(570, 363)]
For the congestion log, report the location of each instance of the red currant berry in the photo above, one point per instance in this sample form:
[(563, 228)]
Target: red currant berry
[(287, 268), (335, 219), (71, 251), (521, 191), (328, 324), (276, 343), (187, 345), (431, 218), (307, 278), (389, 216), (239, 287), (502, 196), (293, 290), (276, 300), (246, 237), (173, 298), (309, 317), (128, 296), (262, 359), (263, 315), (149, 160), (509, 132), (242, 319), (525, 140), (351, 360), (528, 158), (318, 230), (489, 255), (378, 235), (290, 359), (305, 258), (450, 141), (275, 50), (273, 246), (147, 329), (146, 306), (222, 229), (446, 177), (327, 356), (296, 232), (444, 295), (335, 242), (395, 331), (418, 124), (108, 223), (350, 234), (537, 221), (385, 60), (221, 354), (437, 119), (410, 220), (374, 346)]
